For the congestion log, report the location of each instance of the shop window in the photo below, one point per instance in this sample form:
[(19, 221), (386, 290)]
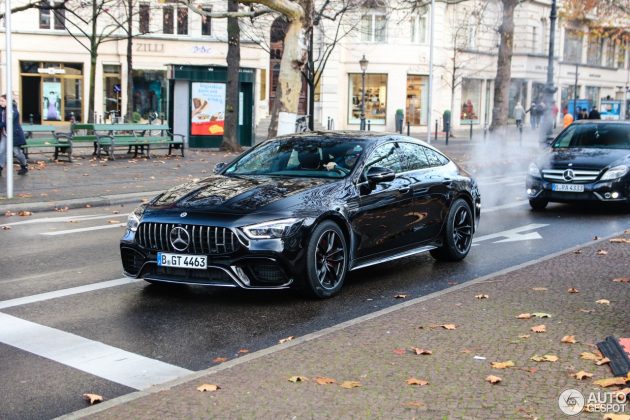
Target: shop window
[(149, 92), (595, 47), (374, 27), (263, 84), (206, 22), (145, 18), (417, 89), (419, 29), (72, 99), (518, 92), (51, 99), (567, 95), (112, 90), (44, 17), (610, 53), (471, 101), (182, 21), (375, 98), (167, 20), (592, 94), (621, 55), (60, 16), (572, 46)]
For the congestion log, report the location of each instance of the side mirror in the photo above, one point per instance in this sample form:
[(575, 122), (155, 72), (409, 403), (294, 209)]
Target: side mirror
[(378, 174), (219, 167), (549, 140)]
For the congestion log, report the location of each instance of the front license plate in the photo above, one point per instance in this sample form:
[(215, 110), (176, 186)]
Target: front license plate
[(199, 262), (568, 187)]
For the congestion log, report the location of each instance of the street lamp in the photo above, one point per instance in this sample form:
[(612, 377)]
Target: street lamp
[(363, 63), (550, 89)]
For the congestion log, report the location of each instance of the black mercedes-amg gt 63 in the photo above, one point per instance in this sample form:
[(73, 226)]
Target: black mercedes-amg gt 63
[(303, 210)]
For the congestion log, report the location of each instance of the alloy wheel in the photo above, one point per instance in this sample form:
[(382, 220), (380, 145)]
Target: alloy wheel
[(330, 259), (462, 229)]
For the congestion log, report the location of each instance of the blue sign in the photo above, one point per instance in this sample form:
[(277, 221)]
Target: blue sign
[(581, 103), (117, 88), (610, 110)]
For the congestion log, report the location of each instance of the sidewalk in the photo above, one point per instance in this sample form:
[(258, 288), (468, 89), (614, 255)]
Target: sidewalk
[(90, 181), (375, 352)]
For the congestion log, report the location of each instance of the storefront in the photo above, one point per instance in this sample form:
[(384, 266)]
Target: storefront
[(198, 105), (150, 89), (375, 98), (51, 93), (416, 100)]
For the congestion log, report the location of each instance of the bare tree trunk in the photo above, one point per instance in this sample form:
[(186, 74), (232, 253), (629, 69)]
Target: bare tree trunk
[(91, 103), (294, 56), (230, 127), (130, 63), (504, 66)]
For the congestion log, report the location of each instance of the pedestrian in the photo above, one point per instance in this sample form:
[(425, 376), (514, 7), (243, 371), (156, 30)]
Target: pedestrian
[(554, 113), (533, 116), (584, 115), (594, 114), (18, 136), (567, 119), (519, 114)]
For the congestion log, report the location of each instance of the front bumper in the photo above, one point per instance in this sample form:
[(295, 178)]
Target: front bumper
[(263, 264), (616, 190)]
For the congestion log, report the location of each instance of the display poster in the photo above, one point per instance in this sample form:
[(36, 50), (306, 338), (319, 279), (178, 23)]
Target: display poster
[(207, 107), (610, 110), (471, 101), (51, 101)]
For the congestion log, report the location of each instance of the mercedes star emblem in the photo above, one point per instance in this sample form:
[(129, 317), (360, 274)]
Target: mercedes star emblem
[(184, 214), (180, 238), (568, 175)]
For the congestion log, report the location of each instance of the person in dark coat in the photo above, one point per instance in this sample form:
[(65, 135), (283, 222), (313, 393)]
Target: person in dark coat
[(18, 137), (594, 114)]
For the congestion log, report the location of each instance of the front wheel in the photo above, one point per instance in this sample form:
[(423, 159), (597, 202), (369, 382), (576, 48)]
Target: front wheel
[(458, 233), (326, 261), (538, 204)]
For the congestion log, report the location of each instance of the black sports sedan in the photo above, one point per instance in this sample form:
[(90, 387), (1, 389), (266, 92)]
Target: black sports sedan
[(303, 210), (588, 161)]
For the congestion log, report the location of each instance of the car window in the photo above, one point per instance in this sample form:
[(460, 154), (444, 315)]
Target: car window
[(387, 156), (435, 158), (414, 156), (612, 136)]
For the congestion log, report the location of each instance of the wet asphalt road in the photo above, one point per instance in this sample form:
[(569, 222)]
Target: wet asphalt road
[(187, 327)]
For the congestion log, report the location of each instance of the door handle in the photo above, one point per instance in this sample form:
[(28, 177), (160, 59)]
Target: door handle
[(404, 190)]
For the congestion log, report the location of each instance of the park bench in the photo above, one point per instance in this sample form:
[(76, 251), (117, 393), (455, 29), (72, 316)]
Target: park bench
[(46, 137)]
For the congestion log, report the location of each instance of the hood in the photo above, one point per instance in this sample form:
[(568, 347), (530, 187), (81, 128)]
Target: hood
[(584, 158), (242, 194)]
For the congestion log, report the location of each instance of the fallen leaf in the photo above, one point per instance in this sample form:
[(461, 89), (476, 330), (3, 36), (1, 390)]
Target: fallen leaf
[(420, 351), (25, 213), (6, 227), (284, 340), (603, 302), (243, 351), (612, 416), (219, 359), (582, 375), (322, 380), (595, 238), (414, 404), (602, 252), (482, 296), (115, 212), (539, 289), (400, 296), (466, 351), (604, 383), (208, 388), (399, 352), (568, 339), (493, 379), (590, 356), (619, 393), (602, 361), (588, 311), (577, 251), (523, 336), (93, 398), (619, 241), (9, 214), (113, 222), (622, 280), (414, 381), (449, 326), (524, 316), (87, 206), (350, 384), (298, 379), (541, 315), (573, 290), (545, 358), (539, 328), (502, 365)]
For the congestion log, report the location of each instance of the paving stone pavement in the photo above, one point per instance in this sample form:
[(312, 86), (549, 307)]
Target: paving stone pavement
[(376, 353)]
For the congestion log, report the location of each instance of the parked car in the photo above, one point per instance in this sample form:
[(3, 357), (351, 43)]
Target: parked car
[(303, 210), (588, 161)]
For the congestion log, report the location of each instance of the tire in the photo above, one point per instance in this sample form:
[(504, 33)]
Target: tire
[(538, 204), (458, 233), (326, 261)]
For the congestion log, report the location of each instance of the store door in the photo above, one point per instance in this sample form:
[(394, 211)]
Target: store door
[(31, 110), (245, 114)]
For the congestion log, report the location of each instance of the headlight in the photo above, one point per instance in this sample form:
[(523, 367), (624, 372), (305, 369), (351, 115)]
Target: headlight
[(133, 220), (273, 229), (533, 170), (614, 173)]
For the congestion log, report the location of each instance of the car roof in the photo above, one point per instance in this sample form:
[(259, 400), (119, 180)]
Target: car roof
[(367, 136), (602, 122)]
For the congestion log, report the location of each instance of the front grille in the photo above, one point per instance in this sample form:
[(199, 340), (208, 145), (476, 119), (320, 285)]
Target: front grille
[(203, 239), (211, 276), (579, 175)]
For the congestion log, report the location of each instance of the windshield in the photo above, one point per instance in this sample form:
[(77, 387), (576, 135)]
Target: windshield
[(601, 136), (315, 157)]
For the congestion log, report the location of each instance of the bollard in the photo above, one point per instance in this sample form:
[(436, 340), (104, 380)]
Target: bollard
[(73, 119), (408, 128), (31, 119), (485, 131), (369, 125), (436, 130), (328, 124), (470, 131), (447, 133)]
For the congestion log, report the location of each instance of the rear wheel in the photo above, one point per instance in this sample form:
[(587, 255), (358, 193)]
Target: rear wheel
[(538, 204), (458, 233), (326, 261)]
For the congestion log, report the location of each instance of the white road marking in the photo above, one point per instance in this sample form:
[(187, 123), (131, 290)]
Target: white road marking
[(502, 207), (89, 356), (513, 235), (64, 219), (65, 292), (87, 229)]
